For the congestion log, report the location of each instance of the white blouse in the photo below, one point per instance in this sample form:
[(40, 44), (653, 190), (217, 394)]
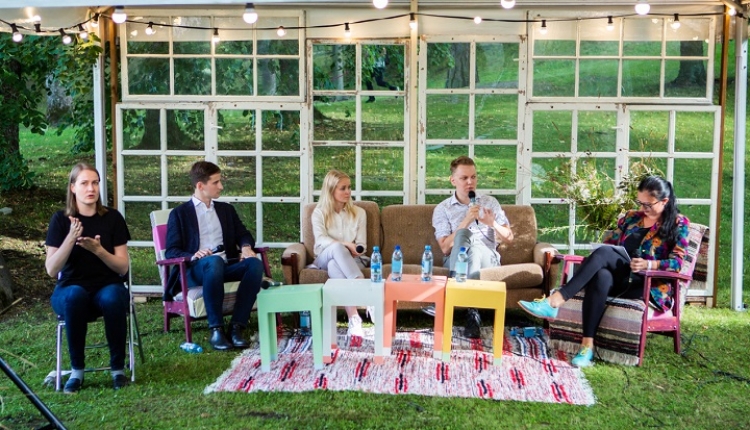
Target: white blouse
[(343, 228)]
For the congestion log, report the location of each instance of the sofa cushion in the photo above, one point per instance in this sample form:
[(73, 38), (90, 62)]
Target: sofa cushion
[(515, 276), (411, 227), (373, 227), (523, 223), (198, 307)]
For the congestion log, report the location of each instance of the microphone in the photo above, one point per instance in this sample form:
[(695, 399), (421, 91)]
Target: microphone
[(216, 249), (473, 201), (360, 249)]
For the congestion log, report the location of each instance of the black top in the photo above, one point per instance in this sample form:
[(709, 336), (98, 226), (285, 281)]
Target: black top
[(83, 267), (633, 241)]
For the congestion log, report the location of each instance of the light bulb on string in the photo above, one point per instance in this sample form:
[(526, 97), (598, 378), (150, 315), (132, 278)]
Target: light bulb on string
[(477, 20), (543, 29), (676, 23), (412, 21), (150, 29), (347, 31), (82, 33), (119, 16), (380, 4), (215, 38), (642, 7), (731, 11), (610, 23), (94, 21), (17, 36), (250, 16), (507, 4), (281, 31), (38, 27), (66, 39)]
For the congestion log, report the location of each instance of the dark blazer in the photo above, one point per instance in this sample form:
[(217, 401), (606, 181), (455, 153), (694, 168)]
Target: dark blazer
[(183, 235)]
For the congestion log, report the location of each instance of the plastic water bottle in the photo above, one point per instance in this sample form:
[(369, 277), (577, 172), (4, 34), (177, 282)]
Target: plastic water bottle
[(304, 323), (462, 265), (427, 263), (192, 348), (376, 265), (397, 264)]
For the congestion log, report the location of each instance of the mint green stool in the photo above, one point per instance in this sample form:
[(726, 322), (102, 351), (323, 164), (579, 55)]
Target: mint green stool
[(289, 298)]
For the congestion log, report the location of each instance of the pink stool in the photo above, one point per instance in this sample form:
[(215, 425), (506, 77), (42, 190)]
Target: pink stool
[(411, 288)]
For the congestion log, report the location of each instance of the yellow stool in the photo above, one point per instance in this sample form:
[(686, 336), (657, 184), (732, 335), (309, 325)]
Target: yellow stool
[(475, 294)]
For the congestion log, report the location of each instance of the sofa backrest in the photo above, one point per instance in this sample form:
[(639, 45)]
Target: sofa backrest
[(522, 220), (411, 227), (373, 227)]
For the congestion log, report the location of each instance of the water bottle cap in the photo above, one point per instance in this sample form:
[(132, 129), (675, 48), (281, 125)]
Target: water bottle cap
[(463, 249), (427, 248), (376, 248), (398, 248)]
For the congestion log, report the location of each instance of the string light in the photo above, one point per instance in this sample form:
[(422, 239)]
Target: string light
[(17, 36), (347, 31), (250, 16), (477, 20), (119, 16), (66, 39), (38, 27), (507, 4), (732, 11), (380, 4), (150, 28), (610, 23), (642, 7), (95, 21), (281, 31), (412, 21), (676, 23), (215, 38), (82, 33), (543, 30)]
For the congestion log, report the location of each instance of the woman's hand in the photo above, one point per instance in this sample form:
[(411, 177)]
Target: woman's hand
[(76, 228), (92, 245), (352, 247), (639, 264)]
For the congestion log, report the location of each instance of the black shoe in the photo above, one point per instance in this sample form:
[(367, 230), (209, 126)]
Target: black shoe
[(73, 386), (473, 323), (235, 335), (120, 381), (370, 100), (218, 340)]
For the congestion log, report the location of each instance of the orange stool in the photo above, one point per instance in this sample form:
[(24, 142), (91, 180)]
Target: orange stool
[(475, 294), (411, 288)]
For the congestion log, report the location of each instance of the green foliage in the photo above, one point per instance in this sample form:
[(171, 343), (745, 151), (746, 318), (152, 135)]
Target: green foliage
[(14, 171)]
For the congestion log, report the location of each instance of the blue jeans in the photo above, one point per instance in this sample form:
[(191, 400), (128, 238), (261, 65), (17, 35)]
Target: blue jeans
[(479, 255), (212, 272), (78, 307)]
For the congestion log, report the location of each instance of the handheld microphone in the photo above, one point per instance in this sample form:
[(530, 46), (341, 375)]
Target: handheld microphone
[(216, 249), (360, 249), (473, 201)]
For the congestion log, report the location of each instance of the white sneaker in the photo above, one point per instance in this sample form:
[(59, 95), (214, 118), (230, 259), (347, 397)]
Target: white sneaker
[(355, 326), (370, 312), (429, 310)]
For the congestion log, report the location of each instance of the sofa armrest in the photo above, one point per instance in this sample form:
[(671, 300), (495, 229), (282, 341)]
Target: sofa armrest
[(293, 260), (542, 256)]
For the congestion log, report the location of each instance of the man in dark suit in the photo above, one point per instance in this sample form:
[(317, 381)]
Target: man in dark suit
[(221, 249)]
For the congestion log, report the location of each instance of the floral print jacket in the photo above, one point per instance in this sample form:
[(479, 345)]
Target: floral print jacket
[(666, 255)]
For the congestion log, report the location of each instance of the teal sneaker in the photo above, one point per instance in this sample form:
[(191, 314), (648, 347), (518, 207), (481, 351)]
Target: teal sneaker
[(584, 358), (540, 308)]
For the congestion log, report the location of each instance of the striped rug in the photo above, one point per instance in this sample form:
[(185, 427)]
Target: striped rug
[(527, 373)]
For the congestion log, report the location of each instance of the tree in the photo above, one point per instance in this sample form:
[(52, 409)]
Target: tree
[(691, 73)]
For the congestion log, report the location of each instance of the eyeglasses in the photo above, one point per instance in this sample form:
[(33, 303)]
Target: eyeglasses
[(647, 205)]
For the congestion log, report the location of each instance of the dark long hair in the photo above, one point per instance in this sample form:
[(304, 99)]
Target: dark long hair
[(661, 189)]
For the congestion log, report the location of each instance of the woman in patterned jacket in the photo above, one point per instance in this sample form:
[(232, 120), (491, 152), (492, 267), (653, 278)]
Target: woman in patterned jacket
[(652, 238)]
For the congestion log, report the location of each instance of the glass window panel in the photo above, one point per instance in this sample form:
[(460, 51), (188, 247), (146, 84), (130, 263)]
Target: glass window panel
[(433, 199), (192, 40), (269, 42), (496, 166), (496, 116), (685, 78), (458, 73), (142, 175), (281, 222), (553, 221), (185, 129), (238, 175), (497, 65), (236, 36), (135, 123), (438, 164), (326, 158), (139, 221), (554, 48), (552, 131), (178, 181), (657, 165), (642, 37), (447, 116), (700, 214), (554, 78), (382, 67), (334, 118), (596, 131), (281, 176), (439, 59), (598, 78), (640, 78), (233, 47), (505, 199), (234, 76), (384, 201), (237, 130), (383, 120), (691, 29), (139, 42), (278, 77), (192, 76), (382, 168), (599, 40), (649, 131), (280, 130), (694, 132), (334, 67), (143, 47), (541, 168), (559, 40), (148, 76), (142, 268), (605, 166), (247, 214)]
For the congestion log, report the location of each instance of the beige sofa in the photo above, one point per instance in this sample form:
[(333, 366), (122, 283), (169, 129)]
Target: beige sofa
[(525, 269)]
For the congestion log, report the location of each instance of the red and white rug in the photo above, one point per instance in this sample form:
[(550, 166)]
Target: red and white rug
[(527, 372)]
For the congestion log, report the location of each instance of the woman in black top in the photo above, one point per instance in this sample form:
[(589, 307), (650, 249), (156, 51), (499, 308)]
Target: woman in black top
[(87, 253)]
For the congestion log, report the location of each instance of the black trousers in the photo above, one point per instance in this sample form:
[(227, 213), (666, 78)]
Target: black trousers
[(378, 74), (602, 274)]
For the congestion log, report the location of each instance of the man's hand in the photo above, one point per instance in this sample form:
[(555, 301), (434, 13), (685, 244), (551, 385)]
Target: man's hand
[(247, 252), (487, 217), (471, 216), (202, 253)]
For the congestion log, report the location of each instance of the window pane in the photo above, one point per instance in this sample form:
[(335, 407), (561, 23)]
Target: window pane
[(382, 67), (541, 168), (691, 178), (281, 176), (598, 39), (694, 132), (438, 169), (700, 214), (640, 78), (439, 59), (692, 32), (238, 175), (178, 182), (333, 67), (142, 175), (281, 222), (140, 129), (384, 201), (237, 130), (447, 116), (559, 40), (192, 76), (332, 157), (269, 42), (554, 78), (234, 76), (596, 131), (552, 131), (382, 168), (278, 77), (553, 222), (496, 166), (648, 131), (496, 116), (148, 76), (383, 120), (685, 78), (334, 119), (139, 221), (139, 42), (642, 37), (236, 36), (497, 65), (246, 212), (136, 47), (185, 129), (598, 78), (280, 131), (192, 40)]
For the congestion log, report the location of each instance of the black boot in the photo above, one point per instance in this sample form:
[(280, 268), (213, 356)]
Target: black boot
[(218, 340), (235, 336), (473, 323)]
